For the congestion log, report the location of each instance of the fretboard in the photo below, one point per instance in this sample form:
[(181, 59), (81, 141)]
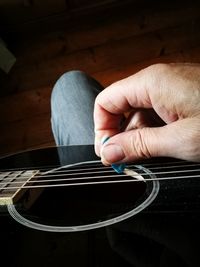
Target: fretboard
[(8, 194)]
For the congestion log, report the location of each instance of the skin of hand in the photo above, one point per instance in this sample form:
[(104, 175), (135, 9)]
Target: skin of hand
[(153, 113)]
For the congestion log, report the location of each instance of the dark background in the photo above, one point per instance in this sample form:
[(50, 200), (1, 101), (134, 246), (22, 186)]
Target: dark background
[(109, 39)]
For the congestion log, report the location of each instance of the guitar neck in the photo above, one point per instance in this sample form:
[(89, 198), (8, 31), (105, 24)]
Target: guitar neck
[(12, 185)]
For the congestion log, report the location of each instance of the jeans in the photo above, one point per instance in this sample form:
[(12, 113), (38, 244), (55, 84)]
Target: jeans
[(72, 104)]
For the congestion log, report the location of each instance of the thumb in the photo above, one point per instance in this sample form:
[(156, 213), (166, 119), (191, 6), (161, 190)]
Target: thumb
[(140, 144)]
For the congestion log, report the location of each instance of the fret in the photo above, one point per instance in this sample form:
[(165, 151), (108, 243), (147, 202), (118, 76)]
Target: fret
[(10, 196), (8, 178)]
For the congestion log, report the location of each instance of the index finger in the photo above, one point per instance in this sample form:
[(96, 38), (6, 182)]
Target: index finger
[(117, 99)]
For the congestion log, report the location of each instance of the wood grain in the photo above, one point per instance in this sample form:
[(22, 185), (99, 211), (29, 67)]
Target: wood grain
[(126, 51), (109, 50)]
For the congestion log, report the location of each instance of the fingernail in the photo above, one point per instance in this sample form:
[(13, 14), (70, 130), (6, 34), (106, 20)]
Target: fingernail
[(112, 153)]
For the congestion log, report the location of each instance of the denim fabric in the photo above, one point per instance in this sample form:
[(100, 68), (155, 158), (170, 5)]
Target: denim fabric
[(72, 104)]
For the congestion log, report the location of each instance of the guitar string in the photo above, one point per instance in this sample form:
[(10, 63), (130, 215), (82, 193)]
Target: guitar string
[(101, 182), (151, 168), (105, 171), (47, 167), (74, 172), (22, 180), (143, 164)]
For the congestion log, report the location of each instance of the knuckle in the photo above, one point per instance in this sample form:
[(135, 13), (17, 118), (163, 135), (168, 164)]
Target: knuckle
[(138, 145), (160, 67), (98, 99), (156, 79), (157, 71)]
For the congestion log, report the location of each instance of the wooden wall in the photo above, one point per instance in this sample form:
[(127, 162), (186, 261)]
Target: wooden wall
[(109, 44)]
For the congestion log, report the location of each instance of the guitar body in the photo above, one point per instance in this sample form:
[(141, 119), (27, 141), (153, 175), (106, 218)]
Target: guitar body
[(139, 228)]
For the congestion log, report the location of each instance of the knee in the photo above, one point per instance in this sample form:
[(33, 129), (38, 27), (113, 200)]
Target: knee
[(64, 85), (69, 78), (65, 89)]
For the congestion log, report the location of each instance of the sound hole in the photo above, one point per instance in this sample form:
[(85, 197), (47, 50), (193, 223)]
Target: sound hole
[(78, 205)]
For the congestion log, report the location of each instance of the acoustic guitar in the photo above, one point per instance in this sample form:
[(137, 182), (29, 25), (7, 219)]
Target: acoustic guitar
[(60, 206)]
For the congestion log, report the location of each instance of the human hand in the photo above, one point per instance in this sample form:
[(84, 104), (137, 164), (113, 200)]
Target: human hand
[(163, 103)]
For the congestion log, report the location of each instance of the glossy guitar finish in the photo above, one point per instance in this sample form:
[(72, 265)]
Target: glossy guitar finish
[(166, 233)]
